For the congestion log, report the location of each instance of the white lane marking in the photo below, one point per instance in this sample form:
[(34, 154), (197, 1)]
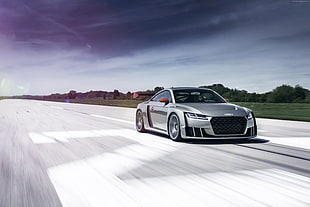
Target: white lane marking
[(142, 138), (268, 187), (64, 136), (40, 139), (300, 142), (94, 181), (149, 139), (79, 185), (110, 118)]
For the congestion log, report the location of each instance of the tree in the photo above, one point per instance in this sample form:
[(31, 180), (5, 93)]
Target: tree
[(300, 94), (72, 94), (282, 94), (157, 89), (219, 88), (116, 93)]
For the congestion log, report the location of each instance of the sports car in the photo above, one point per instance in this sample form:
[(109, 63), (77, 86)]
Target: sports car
[(194, 113)]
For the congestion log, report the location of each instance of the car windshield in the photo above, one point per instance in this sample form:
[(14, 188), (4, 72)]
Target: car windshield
[(197, 96)]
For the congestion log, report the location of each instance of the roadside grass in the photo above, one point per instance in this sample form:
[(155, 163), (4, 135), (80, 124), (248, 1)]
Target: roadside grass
[(105, 102), (112, 102), (285, 111)]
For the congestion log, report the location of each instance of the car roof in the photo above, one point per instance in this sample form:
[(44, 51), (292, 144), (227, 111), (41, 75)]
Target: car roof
[(185, 88)]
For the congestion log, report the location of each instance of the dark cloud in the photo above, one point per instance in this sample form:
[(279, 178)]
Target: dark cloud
[(116, 25), (120, 25)]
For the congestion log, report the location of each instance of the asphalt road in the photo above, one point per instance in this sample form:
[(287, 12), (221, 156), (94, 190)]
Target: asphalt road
[(72, 155)]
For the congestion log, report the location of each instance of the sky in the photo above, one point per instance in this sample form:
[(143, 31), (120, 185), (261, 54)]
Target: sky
[(53, 46)]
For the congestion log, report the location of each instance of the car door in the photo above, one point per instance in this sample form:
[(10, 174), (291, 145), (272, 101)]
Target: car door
[(158, 110)]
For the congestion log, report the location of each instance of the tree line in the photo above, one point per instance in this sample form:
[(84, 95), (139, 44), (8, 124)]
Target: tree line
[(281, 94)]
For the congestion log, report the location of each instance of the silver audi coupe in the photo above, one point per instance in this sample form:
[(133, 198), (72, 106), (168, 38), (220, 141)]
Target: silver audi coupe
[(195, 113)]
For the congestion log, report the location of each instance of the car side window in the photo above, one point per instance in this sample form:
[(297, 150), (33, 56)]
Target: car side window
[(157, 97), (167, 95), (164, 94)]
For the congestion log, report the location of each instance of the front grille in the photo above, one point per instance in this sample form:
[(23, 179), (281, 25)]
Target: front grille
[(228, 125)]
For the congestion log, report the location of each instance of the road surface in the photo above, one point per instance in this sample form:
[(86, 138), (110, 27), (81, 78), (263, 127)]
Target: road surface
[(74, 155)]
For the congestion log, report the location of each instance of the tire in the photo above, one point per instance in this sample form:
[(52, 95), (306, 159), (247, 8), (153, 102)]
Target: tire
[(255, 130), (255, 125), (174, 129), (140, 122)]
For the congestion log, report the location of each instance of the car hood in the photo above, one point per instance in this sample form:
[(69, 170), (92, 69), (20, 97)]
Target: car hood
[(218, 109)]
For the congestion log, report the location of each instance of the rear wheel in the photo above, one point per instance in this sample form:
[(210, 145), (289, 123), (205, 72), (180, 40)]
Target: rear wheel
[(174, 128), (140, 122)]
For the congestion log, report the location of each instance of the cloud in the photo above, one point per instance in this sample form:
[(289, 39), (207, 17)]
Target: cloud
[(55, 46)]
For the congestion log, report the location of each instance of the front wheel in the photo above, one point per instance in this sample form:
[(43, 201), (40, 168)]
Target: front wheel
[(139, 122), (174, 128)]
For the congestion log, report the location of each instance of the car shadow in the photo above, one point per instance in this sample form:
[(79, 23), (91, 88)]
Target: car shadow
[(160, 135), (215, 141), (226, 141)]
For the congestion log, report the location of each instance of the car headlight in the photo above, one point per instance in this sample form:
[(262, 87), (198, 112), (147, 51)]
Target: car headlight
[(196, 116), (249, 116)]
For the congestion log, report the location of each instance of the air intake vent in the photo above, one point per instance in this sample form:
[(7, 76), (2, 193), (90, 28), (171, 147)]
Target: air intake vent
[(228, 125)]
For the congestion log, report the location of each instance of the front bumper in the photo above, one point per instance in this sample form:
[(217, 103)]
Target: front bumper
[(235, 128)]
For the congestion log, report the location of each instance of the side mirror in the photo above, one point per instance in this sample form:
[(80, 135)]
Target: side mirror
[(227, 100), (164, 100)]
